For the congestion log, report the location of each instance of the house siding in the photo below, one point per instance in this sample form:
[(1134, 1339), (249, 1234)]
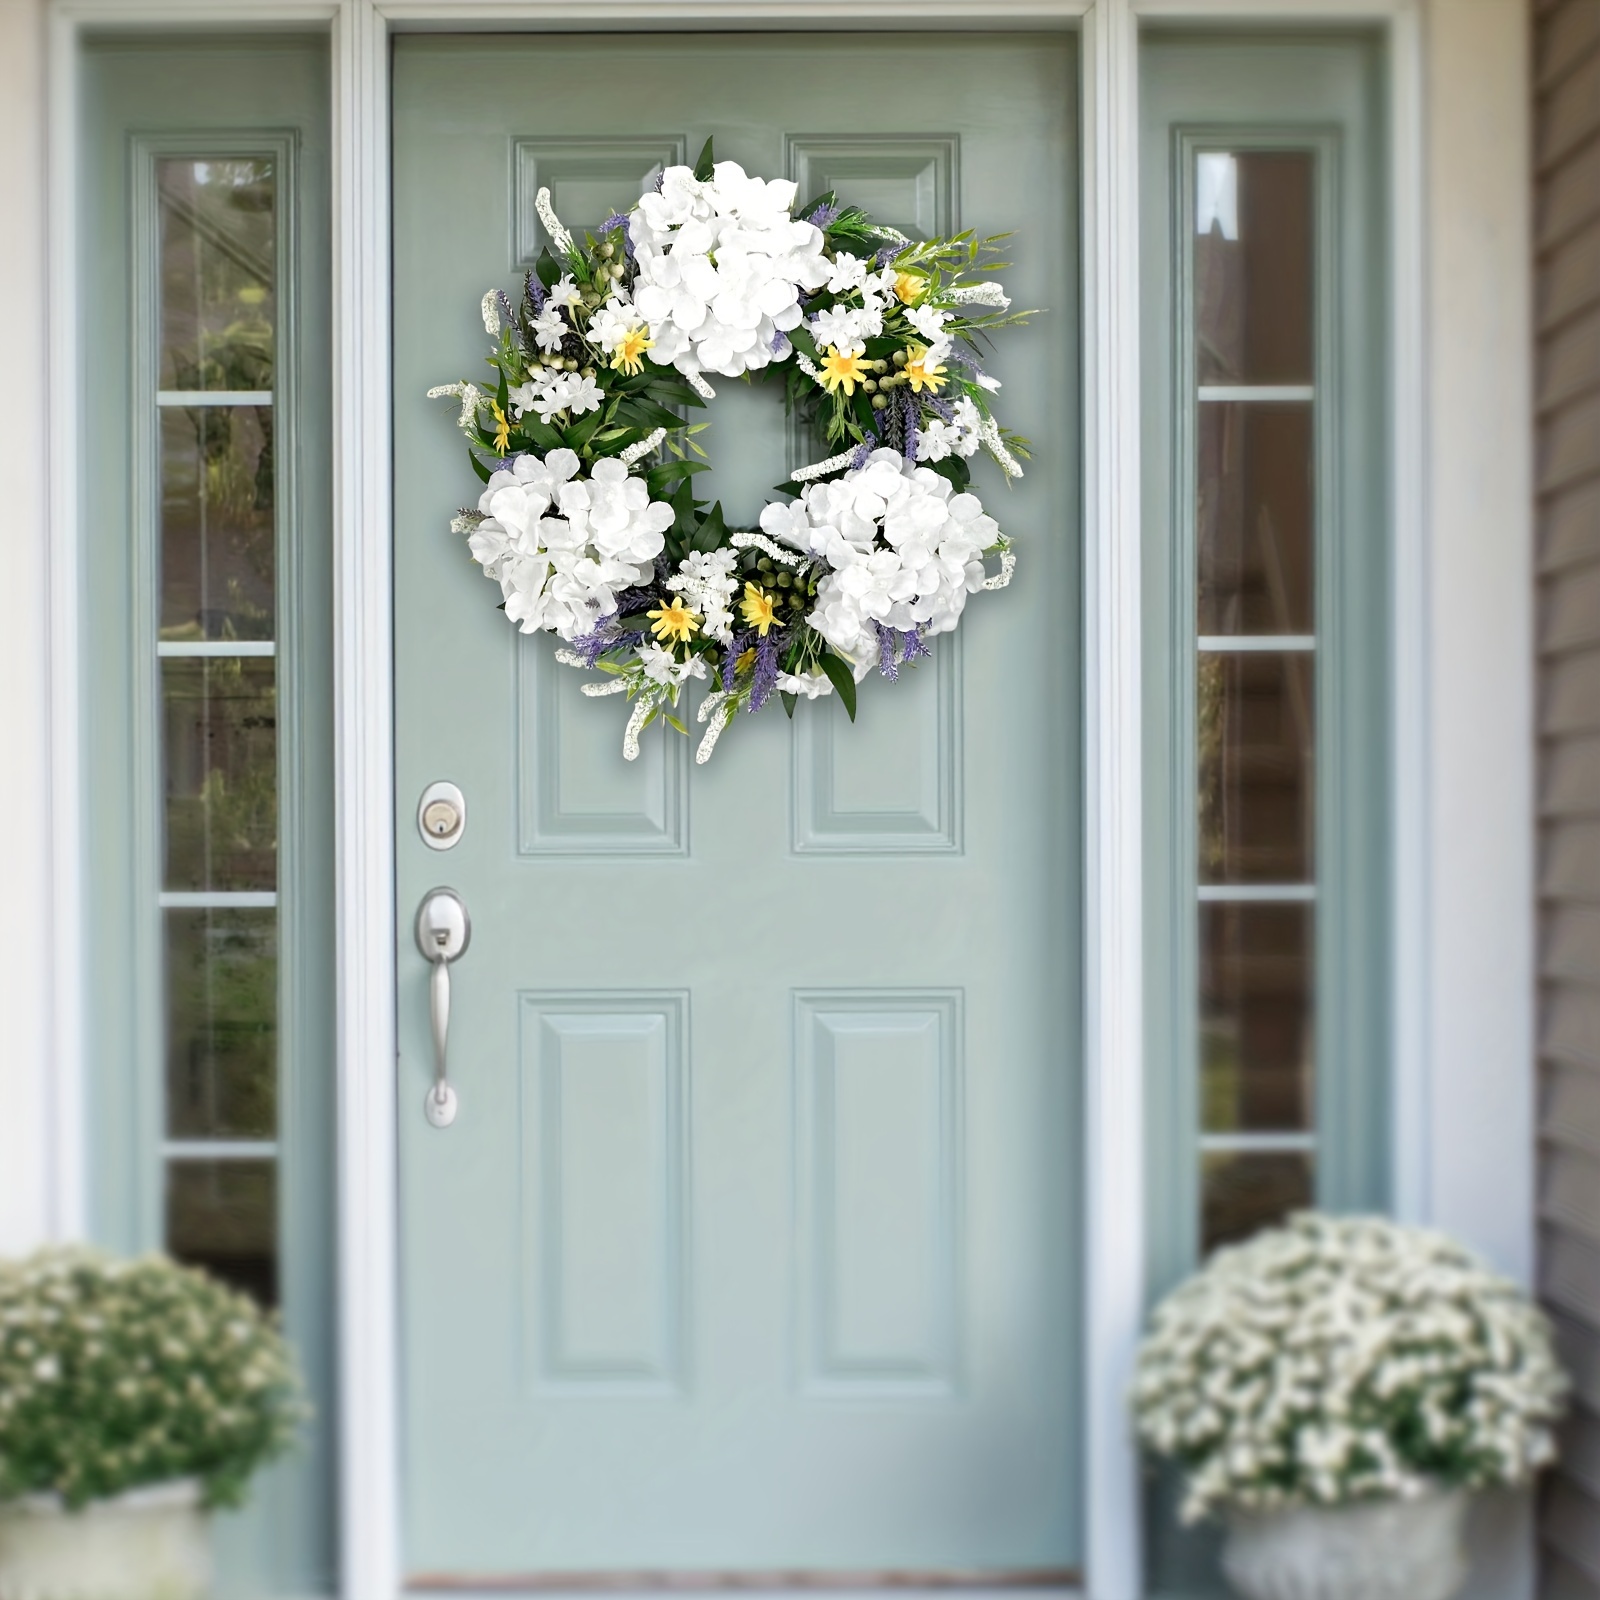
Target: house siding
[(1566, 110)]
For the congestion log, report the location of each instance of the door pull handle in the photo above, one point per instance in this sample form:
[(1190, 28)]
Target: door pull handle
[(443, 930)]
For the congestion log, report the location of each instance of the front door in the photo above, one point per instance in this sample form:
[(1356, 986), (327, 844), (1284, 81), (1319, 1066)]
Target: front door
[(753, 1251)]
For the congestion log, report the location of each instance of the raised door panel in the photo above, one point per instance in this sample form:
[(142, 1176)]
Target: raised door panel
[(604, 1098), (585, 174), (878, 1139)]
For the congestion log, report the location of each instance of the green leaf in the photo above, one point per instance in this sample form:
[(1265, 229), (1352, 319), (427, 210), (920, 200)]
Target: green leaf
[(676, 724), (547, 267), (477, 466), (705, 167), (788, 703), (843, 681), (953, 468), (712, 531), (584, 429)]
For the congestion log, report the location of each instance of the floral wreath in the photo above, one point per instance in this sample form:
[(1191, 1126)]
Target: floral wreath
[(588, 519)]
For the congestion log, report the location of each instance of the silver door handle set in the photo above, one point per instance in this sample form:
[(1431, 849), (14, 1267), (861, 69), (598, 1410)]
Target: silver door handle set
[(444, 930)]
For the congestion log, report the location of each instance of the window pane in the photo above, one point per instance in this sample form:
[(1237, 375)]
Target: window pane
[(1256, 1036), (1253, 524), (220, 755), (222, 1030), (1253, 267), (218, 244), (217, 523), (1254, 712), (1247, 1190), (223, 1216)]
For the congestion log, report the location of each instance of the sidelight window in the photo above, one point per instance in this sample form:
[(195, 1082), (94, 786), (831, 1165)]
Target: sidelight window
[(1255, 536), (217, 238)]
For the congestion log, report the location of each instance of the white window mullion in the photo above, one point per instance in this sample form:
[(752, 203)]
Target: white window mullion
[(213, 397)]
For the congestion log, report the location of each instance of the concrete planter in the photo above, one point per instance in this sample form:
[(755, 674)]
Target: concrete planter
[(1385, 1550), (148, 1544)]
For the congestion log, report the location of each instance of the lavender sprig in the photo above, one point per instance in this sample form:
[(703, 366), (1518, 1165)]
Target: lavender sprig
[(766, 671), (736, 648), (886, 643)]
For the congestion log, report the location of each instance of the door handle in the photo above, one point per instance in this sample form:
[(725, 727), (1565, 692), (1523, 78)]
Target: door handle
[(444, 930)]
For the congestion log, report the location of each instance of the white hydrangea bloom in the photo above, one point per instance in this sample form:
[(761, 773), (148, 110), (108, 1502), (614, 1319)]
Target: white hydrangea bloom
[(561, 547), (721, 266), (905, 550)]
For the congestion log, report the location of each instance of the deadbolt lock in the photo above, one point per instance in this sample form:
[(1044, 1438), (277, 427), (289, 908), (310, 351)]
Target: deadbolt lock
[(441, 816)]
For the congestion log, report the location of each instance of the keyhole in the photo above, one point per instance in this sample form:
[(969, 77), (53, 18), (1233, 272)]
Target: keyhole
[(440, 819)]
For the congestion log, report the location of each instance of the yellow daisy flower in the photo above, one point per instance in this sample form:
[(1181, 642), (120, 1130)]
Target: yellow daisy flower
[(844, 369), (908, 287), (746, 661), (758, 609), (502, 428), (629, 355), (675, 622), (923, 373)]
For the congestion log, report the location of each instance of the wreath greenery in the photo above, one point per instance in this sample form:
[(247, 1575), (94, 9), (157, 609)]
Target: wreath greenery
[(588, 519)]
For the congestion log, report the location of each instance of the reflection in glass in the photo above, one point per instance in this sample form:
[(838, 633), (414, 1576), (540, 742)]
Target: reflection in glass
[(222, 1029), (1244, 1190), (1253, 275), (217, 524), (219, 748), (1253, 522), (218, 244), (1254, 711), (223, 1216), (1256, 1038)]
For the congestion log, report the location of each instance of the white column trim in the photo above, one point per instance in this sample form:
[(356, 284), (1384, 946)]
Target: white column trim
[(1410, 782), (68, 1209), (1113, 1134), (367, 1179)]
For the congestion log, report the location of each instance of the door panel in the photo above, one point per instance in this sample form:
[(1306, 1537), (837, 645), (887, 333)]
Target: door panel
[(754, 1247)]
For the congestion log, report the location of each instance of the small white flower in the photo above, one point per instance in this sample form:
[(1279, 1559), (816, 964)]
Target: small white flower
[(550, 328), (929, 322), (491, 312), (564, 292), (583, 394), (849, 272), (812, 685)]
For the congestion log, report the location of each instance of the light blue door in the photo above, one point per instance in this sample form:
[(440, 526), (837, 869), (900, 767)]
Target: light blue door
[(754, 1247)]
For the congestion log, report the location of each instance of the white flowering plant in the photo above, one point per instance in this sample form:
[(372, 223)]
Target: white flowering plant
[(117, 1374), (588, 520), (1341, 1359)]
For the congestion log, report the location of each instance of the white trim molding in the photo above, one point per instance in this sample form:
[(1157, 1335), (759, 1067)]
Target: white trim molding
[(369, 1365), (1114, 1167), (1462, 749)]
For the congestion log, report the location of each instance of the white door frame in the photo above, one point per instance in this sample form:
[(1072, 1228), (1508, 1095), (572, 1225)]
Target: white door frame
[(1462, 891)]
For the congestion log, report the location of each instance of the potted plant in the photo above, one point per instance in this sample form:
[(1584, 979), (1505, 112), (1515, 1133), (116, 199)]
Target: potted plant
[(1334, 1390), (134, 1397)]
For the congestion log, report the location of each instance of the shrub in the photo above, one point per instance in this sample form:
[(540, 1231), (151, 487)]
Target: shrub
[(1345, 1358), (116, 1374)]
